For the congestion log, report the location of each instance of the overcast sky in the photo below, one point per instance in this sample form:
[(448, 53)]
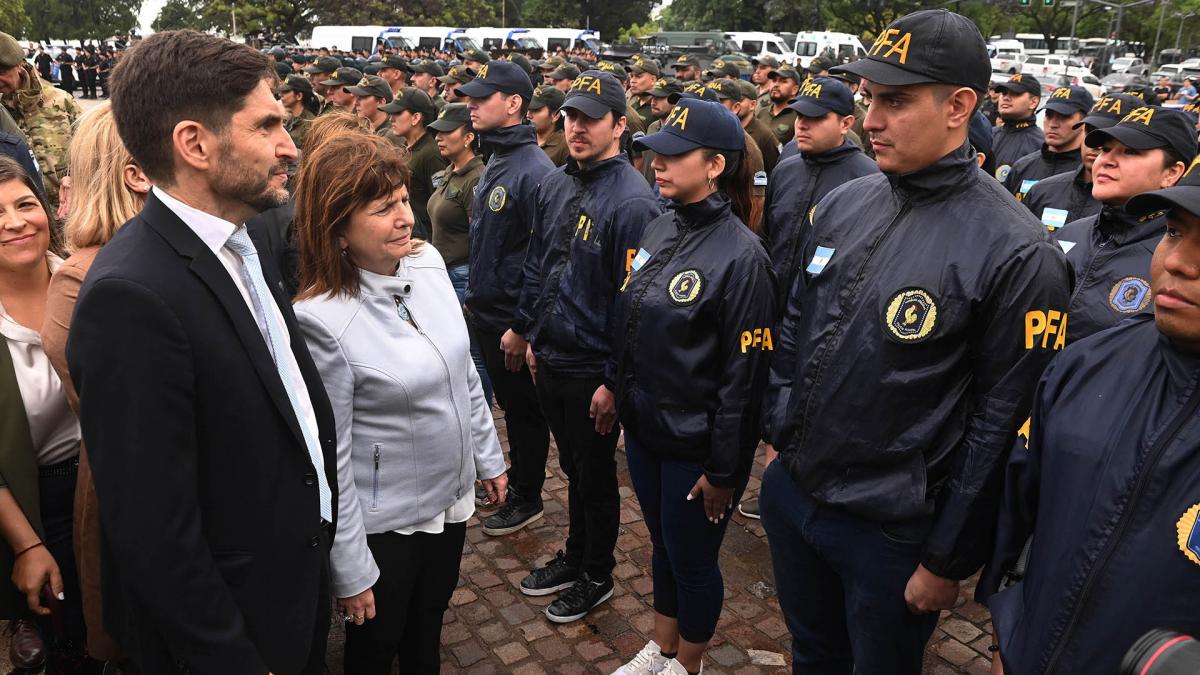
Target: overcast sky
[(149, 11)]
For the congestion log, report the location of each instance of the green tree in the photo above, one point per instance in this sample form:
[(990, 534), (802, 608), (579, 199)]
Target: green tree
[(174, 15), (81, 19), (13, 16)]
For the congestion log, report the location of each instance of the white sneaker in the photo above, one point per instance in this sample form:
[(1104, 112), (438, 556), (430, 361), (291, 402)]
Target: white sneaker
[(673, 667), (649, 661)]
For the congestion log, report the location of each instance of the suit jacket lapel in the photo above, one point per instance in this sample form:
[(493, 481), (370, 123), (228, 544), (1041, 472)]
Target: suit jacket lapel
[(205, 265)]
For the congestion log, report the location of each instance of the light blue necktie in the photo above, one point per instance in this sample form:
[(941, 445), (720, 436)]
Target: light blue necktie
[(239, 242)]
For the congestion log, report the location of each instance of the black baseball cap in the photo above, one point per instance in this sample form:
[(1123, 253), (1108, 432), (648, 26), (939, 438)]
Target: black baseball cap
[(1146, 95), (820, 96), (324, 64), (458, 75), (616, 69), (393, 61), (1020, 83), (427, 66), (551, 62), (766, 60), (296, 83), (641, 64), (372, 85), (1109, 110), (819, 65), (1146, 128), (595, 93), (932, 45), (980, 133), (413, 100), (684, 61), (344, 77), (522, 63), (547, 96), (476, 55), (1184, 194), (494, 76), (692, 124), (1070, 100), (567, 71), (664, 87), (453, 116), (721, 68), (694, 90), (786, 72)]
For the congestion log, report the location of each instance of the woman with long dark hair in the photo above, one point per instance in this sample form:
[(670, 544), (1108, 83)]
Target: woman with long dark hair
[(689, 364)]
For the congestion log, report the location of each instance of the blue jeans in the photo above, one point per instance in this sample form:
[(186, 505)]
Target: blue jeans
[(458, 278), (841, 581), (687, 579)]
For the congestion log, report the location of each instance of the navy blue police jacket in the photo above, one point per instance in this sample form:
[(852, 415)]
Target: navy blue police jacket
[(1042, 163), (586, 227), (796, 186), (14, 146), (1061, 199), (909, 350), (1109, 489), (693, 338), (1110, 255), (500, 224), (1013, 141)]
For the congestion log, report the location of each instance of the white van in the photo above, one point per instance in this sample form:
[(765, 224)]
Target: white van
[(756, 44), (492, 39), (1008, 56), (453, 40), (551, 39), (845, 47), (355, 38)]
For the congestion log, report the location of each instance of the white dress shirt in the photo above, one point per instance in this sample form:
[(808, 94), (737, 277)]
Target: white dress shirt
[(52, 425), (214, 232)]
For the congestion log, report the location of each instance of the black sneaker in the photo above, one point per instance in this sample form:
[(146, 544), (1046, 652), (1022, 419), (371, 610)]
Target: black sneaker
[(579, 599), (550, 578), (749, 508), (514, 514), (481, 495)]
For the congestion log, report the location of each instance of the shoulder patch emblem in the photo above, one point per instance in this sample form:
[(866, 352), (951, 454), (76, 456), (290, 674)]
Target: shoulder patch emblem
[(1188, 530), (911, 315), (497, 198), (1002, 172), (760, 179), (685, 287), (1129, 295)]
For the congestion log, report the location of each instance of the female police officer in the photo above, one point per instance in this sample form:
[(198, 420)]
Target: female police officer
[(688, 367)]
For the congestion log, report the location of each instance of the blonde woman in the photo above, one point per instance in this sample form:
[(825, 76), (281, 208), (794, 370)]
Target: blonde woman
[(108, 189)]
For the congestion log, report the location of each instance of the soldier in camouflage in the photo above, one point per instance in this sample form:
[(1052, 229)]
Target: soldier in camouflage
[(45, 115)]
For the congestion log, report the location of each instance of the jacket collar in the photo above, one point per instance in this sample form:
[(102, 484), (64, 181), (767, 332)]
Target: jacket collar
[(1078, 178), (475, 163), (380, 286), (833, 156), (1068, 156), (708, 210), (955, 170), (506, 139), (597, 170), (1122, 228), (1020, 125)]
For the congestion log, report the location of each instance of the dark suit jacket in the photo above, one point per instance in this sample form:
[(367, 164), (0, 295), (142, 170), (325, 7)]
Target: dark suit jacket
[(212, 555)]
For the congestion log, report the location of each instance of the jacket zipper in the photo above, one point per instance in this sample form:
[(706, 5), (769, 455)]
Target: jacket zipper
[(1127, 512), (1087, 273), (837, 327), (375, 480), (793, 245), (449, 381)]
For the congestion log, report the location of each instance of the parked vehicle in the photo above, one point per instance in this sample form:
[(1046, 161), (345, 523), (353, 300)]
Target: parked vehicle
[(550, 39), (453, 40), (756, 44), (1130, 64), (844, 46), (1047, 65), (492, 39), (1116, 83), (357, 38), (1008, 56), (1087, 81)]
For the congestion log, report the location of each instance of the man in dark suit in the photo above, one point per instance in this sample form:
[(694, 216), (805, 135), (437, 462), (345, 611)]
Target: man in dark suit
[(210, 435)]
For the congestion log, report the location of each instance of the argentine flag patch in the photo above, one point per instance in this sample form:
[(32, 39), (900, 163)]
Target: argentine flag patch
[(640, 259), (1053, 218), (819, 260)]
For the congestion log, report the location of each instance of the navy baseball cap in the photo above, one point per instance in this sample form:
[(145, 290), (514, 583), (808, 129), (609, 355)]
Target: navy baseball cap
[(595, 93), (344, 77), (694, 90), (1109, 110), (932, 45), (1147, 128), (547, 96), (1070, 100), (664, 87), (980, 133), (695, 123), (502, 76), (1184, 195), (820, 96), (453, 116), (1020, 83)]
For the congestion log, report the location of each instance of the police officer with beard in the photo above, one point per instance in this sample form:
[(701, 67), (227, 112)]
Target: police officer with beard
[(903, 365)]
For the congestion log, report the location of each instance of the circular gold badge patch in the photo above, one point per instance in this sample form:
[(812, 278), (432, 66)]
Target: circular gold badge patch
[(685, 287), (1129, 295), (497, 198), (1189, 534), (911, 315)]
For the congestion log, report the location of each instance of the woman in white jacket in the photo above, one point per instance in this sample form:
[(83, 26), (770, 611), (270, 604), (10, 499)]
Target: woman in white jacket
[(414, 431)]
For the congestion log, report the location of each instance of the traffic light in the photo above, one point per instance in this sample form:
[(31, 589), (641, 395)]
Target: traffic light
[(1023, 3), (1048, 3)]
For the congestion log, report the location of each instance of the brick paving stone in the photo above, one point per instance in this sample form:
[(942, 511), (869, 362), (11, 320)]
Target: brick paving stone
[(593, 650), (468, 653), (960, 629), (517, 613), (462, 596), (474, 613), (486, 580), (455, 632), (773, 626), (529, 669), (552, 649), (511, 653), (956, 652), (642, 585), (644, 623), (535, 630), (727, 655), (483, 669), (492, 632), (626, 571)]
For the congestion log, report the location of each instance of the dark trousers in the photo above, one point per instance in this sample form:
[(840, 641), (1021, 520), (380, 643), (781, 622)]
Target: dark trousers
[(459, 275), (417, 575), (589, 460), (316, 652), (687, 578), (841, 581), (89, 83), (528, 435), (63, 631)]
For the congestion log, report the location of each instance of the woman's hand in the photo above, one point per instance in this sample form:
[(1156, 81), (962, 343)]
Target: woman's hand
[(717, 500), (32, 570), (496, 488), (604, 410), (531, 361), (358, 608)]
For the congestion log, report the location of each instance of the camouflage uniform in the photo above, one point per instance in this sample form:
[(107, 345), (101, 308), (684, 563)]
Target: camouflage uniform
[(47, 116), (297, 127)]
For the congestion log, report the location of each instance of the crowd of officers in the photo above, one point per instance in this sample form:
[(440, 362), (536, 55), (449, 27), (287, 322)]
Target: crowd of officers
[(870, 267)]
